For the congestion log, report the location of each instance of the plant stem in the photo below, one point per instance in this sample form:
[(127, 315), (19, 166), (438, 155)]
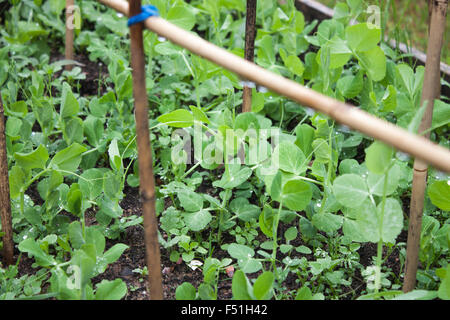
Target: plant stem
[(275, 239), (380, 226)]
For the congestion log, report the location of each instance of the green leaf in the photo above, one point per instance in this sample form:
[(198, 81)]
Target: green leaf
[(405, 77), (245, 121), (244, 256), (76, 235), (296, 194), (266, 53), (68, 159), (392, 220), (244, 210), (73, 130), (339, 53), (349, 166), (375, 182), (197, 221), (441, 114), (258, 100), (34, 159), (199, 115), (299, 21), (266, 221), (180, 118), (240, 286), (444, 287), (295, 65), (290, 158), (235, 178), (350, 190), (374, 62), (185, 291), (389, 99), (417, 295), (32, 247), (111, 290), (305, 136), (74, 200), (91, 183), (304, 293), (114, 253), (93, 130), (361, 224), (240, 251), (351, 86), (327, 222), (262, 289), (190, 200), (439, 193), (362, 36), (378, 157), (290, 234), (181, 16), (115, 160), (69, 104), (167, 48)]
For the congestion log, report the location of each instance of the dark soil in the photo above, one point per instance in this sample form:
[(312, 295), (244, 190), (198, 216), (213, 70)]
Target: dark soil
[(94, 71)]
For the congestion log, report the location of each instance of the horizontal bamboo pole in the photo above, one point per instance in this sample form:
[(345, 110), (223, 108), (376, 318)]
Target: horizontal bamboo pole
[(353, 117)]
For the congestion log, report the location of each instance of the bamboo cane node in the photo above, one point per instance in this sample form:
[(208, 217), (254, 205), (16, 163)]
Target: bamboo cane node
[(145, 197)]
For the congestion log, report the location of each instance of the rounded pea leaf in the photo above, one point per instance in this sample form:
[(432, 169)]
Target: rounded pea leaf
[(375, 182), (235, 178), (350, 190), (378, 157), (439, 193), (190, 200), (327, 222), (392, 220), (296, 194), (361, 224), (362, 36), (197, 221), (374, 62), (290, 234), (290, 158), (111, 290), (185, 291), (181, 16)]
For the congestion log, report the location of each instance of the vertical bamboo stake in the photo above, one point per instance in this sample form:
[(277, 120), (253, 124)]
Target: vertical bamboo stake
[(147, 180), (250, 33), (69, 33), (431, 91), (5, 204)]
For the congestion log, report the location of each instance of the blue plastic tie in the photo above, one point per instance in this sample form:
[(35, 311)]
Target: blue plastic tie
[(147, 11)]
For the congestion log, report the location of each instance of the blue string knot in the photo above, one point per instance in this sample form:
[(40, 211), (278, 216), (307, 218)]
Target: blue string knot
[(147, 11)]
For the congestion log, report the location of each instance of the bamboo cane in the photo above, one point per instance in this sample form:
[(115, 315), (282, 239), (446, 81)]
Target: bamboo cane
[(69, 34), (147, 180), (250, 33), (343, 113), (5, 210), (430, 92)]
